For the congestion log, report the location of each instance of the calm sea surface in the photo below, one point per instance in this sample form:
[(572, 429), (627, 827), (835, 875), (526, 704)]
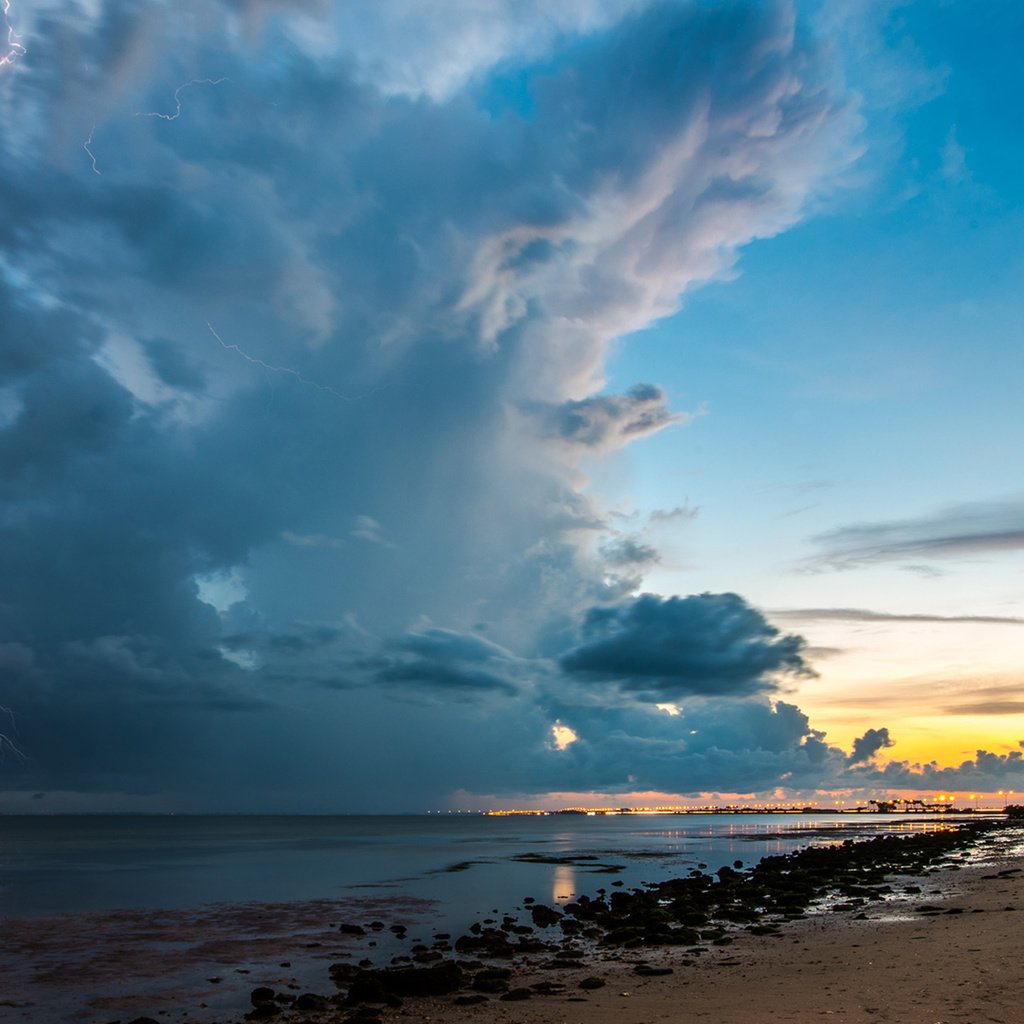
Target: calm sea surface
[(467, 863)]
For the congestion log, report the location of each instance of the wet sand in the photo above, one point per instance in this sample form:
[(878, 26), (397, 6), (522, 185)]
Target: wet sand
[(962, 962), (927, 970)]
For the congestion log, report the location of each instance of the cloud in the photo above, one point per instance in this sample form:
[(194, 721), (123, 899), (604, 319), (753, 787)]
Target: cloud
[(606, 422), (367, 528), (866, 615), (979, 529), (491, 196), (444, 660), (986, 707), (700, 645), (625, 552), (954, 160), (311, 540), (668, 515), (867, 746), (986, 772)]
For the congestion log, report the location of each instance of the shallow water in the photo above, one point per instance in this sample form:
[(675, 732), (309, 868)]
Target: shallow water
[(55, 864)]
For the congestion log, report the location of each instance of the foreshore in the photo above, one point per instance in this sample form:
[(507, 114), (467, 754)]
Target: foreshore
[(945, 946), (918, 928), (952, 952)]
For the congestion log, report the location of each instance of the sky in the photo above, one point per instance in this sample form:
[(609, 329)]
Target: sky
[(419, 406)]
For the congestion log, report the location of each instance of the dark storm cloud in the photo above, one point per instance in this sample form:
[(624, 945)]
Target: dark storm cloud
[(986, 772), (442, 659), (707, 644), (608, 421), (725, 745), (625, 552), (171, 365), (274, 354), (977, 529), (298, 639), (865, 747)]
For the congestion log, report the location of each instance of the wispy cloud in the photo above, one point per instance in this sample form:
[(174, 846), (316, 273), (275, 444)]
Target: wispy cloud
[(987, 707), (979, 529), (866, 615)]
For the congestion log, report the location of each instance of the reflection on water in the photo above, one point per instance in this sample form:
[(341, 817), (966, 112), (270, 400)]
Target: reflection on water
[(563, 883)]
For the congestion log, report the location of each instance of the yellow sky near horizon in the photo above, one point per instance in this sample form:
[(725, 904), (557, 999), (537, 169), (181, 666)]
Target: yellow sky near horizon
[(943, 689)]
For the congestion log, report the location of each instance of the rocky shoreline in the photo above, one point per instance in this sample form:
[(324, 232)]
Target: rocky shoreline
[(551, 956)]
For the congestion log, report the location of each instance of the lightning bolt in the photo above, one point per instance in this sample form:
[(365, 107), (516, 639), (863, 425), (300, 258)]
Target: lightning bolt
[(7, 745), (14, 48), (92, 156), (177, 99), (287, 370)]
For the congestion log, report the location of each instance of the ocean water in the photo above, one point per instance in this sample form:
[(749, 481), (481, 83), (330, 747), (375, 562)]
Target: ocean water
[(466, 863), (110, 916)]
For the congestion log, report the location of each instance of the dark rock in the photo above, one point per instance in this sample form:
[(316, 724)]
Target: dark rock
[(516, 994), (492, 979), (263, 1012), (309, 1001), (591, 983), (364, 1015), (470, 1000), (559, 965), (341, 974), (261, 995), (351, 929), (646, 971), (377, 986), (367, 987), (544, 917), (547, 988)]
